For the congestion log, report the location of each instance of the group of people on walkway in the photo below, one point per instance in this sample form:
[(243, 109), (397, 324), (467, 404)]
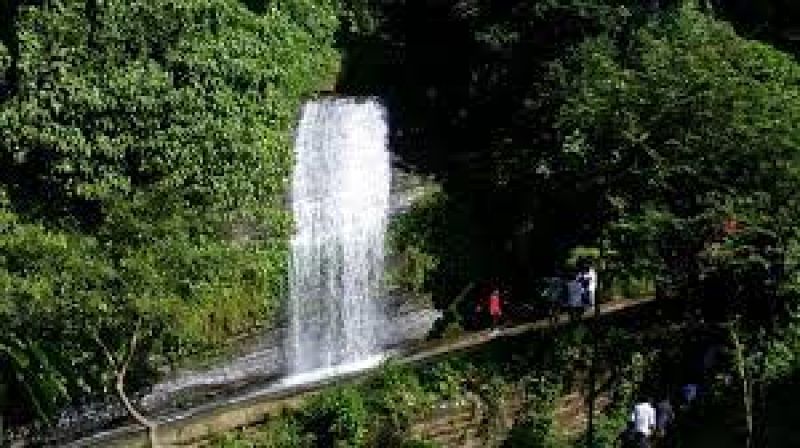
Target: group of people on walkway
[(648, 423), (654, 425), (695, 366), (576, 292), (582, 289)]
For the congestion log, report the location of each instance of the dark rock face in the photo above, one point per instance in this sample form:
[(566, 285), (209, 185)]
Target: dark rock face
[(407, 188)]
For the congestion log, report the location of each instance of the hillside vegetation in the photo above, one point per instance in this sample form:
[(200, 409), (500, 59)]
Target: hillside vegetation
[(145, 150)]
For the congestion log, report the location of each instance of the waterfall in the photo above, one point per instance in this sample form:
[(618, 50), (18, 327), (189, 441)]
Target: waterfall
[(340, 201)]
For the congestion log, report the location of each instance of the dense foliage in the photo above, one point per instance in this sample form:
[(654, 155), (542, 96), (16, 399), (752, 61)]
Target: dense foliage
[(145, 149), (638, 129), (696, 127)]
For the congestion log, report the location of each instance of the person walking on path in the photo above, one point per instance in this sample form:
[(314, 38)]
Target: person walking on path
[(495, 308), (627, 438), (575, 299), (554, 297), (665, 416), (689, 394), (643, 418), (588, 280)]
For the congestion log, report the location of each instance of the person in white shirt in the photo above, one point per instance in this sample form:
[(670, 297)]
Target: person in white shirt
[(588, 279), (591, 288), (643, 418)]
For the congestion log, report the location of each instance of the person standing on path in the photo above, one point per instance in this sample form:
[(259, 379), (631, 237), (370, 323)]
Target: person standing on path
[(689, 394), (665, 415), (555, 298), (495, 308), (588, 280), (643, 418), (574, 299), (627, 438)]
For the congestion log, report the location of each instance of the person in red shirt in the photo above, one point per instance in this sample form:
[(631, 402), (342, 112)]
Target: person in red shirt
[(495, 307)]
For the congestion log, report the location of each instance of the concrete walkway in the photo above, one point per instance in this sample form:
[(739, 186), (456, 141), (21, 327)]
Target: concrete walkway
[(201, 422)]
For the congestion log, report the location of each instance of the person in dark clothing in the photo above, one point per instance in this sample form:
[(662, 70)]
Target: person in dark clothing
[(554, 297), (665, 415), (627, 438), (689, 394), (575, 305)]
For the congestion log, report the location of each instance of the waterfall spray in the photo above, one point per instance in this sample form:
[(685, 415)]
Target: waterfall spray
[(340, 202)]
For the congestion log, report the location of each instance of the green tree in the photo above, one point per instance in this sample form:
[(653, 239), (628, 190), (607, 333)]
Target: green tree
[(689, 131), (689, 126), (145, 150)]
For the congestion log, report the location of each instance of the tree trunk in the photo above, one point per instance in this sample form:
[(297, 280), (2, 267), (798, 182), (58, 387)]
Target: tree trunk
[(593, 370), (138, 416), (747, 384), (120, 367), (747, 399), (760, 414)]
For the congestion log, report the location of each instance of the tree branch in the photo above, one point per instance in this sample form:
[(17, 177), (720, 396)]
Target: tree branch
[(112, 360), (120, 370)]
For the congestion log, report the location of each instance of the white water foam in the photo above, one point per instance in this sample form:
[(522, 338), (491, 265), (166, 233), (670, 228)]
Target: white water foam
[(340, 202), (315, 376)]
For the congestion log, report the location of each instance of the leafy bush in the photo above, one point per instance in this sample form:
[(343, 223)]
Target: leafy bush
[(532, 434), (337, 418), (608, 427), (783, 355), (412, 258), (446, 379), (400, 396), (432, 248), (277, 433)]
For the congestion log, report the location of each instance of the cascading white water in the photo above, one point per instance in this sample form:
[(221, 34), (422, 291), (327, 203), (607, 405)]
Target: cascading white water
[(340, 202)]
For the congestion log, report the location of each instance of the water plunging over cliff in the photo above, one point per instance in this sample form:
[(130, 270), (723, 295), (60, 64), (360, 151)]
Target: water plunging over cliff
[(340, 202)]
